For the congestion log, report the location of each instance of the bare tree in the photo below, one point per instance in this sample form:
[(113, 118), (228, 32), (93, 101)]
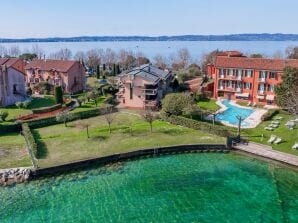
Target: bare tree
[(292, 52), (110, 57), (126, 59), (83, 125), (141, 58), (38, 51), (3, 51), (81, 56), (109, 115), (184, 57), (277, 55), (14, 51), (93, 58), (160, 61), (149, 117)]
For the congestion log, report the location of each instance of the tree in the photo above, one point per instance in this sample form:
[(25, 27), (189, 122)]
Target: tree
[(3, 51), (19, 104), (39, 52), (93, 95), (160, 61), (175, 103), (64, 117), (287, 90), (28, 56), (93, 58), (118, 71), (149, 117), (81, 100), (83, 125), (97, 72), (184, 57), (292, 52), (109, 115), (209, 59), (14, 51), (58, 92), (190, 110), (3, 115), (256, 55)]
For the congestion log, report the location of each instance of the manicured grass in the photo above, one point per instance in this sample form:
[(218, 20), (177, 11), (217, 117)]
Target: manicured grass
[(289, 136), (13, 152), (90, 105), (14, 112), (59, 144), (208, 105)]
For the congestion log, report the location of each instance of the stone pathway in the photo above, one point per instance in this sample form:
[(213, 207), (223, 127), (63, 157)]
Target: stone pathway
[(268, 152)]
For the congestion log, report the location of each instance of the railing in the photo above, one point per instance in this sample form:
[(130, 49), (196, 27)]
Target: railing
[(262, 79), (150, 91), (261, 92), (238, 89), (239, 78)]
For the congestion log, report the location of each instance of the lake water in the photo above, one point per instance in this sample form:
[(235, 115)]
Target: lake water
[(166, 48), (205, 187)]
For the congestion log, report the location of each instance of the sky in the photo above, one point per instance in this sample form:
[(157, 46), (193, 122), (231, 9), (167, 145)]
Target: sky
[(68, 18)]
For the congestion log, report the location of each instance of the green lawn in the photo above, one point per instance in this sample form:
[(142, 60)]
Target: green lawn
[(13, 152), (14, 112), (90, 105), (208, 105), (289, 136), (59, 144)]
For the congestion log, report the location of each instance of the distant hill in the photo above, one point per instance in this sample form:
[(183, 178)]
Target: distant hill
[(232, 37)]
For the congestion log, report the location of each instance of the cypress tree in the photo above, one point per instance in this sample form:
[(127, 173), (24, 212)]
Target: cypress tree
[(58, 92), (118, 69), (114, 70), (97, 72), (104, 67)]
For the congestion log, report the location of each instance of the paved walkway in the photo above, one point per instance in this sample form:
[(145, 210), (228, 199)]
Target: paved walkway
[(268, 152)]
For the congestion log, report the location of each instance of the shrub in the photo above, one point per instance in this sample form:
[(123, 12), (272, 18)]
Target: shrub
[(190, 123), (30, 139), (58, 92), (64, 117), (26, 104), (174, 104), (3, 115), (19, 104), (268, 115), (46, 109)]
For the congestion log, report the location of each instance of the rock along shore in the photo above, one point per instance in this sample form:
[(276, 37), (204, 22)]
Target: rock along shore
[(14, 175)]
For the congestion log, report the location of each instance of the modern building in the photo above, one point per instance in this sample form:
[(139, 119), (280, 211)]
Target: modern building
[(143, 87), (241, 78), (12, 81), (66, 73)]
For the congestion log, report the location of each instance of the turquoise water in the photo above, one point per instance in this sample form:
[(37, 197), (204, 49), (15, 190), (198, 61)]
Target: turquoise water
[(206, 187), (230, 115)]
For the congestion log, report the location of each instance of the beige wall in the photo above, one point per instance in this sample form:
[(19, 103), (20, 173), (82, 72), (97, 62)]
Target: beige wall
[(8, 81)]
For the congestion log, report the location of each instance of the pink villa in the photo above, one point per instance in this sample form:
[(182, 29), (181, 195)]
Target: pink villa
[(12, 81), (66, 73), (143, 87)]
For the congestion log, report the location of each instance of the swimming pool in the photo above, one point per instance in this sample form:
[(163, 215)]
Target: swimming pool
[(231, 113)]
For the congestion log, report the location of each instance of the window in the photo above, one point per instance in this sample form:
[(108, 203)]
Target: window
[(263, 74), (15, 90), (222, 72), (249, 73), (239, 85), (239, 73), (270, 87), (231, 72), (272, 75), (247, 85), (230, 84)]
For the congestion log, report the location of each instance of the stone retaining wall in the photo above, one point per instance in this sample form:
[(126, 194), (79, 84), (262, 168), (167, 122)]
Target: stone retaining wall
[(14, 175), (130, 155)]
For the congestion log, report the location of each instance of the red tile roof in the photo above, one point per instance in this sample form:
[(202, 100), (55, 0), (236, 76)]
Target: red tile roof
[(255, 63), (8, 61), (48, 65)]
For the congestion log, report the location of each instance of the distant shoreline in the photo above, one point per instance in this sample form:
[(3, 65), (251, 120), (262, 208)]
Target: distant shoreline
[(232, 37)]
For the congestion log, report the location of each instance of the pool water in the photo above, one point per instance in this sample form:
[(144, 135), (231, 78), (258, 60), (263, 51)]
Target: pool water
[(230, 115), (205, 187)]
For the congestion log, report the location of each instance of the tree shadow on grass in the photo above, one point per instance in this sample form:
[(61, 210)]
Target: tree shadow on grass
[(42, 150), (99, 138)]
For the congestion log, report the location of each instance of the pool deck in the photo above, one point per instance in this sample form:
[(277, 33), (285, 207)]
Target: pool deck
[(268, 152), (253, 120)]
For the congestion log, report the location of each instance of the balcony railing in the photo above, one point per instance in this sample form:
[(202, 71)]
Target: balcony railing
[(150, 91), (261, 92), (238, 89), (262, 79), (239, 78)]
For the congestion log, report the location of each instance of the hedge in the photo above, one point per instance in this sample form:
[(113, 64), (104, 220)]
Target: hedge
[(15, 127), (46, 109), (44, 122), (32, 145), (201, 126), (269, 114)]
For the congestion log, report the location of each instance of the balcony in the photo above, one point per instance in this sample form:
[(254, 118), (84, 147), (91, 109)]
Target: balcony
[(261, 92), (238, 89), (239, 78), (262, 79), (222, 76), (221, 87), (149, 91)]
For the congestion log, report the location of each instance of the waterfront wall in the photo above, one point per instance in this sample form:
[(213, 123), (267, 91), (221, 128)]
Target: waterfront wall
[(130, 155)]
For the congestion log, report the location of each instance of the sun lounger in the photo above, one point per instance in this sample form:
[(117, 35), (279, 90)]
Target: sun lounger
[(277, 141), (272, 139), (254, 104), (268, 128), (295, 146), (249, 103), (278, 118), (275, 122), (273, 125)]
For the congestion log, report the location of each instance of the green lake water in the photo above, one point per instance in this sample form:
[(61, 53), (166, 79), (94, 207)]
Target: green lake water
[(205, 187)]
